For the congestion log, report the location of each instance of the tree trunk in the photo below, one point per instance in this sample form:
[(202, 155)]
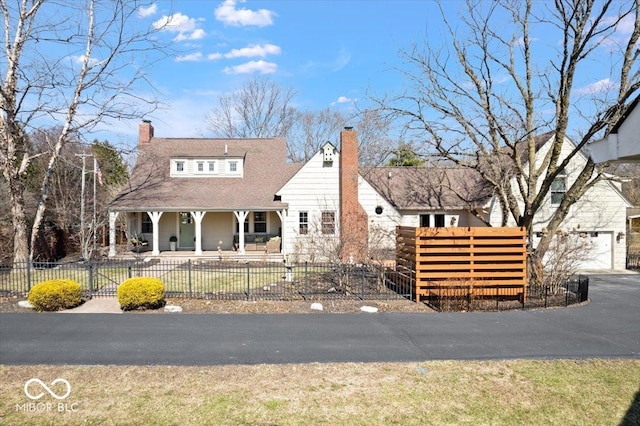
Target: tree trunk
[(19, 220)]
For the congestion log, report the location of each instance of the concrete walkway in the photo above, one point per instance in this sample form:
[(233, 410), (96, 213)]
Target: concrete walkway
[(97, 305)]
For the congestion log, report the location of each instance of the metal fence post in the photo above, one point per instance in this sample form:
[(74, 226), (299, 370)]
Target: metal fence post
[(189, 278), (248, 282), (363, 278), (91, 278), (28, 275), (306, 279), (546, 295), (412, 294)]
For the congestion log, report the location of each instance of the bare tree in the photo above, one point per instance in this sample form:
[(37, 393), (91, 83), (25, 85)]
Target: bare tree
[(71, 64), (483, 97), (259, 109), (311, 130)]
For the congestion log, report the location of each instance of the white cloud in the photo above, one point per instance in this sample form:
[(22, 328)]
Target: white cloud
[(260, 66), (341, 61), (344, 100), (601, 86), (145, 12), (192, 57), (228, 14), (187, 28), (195, 35), (80, 60), (253, 51)]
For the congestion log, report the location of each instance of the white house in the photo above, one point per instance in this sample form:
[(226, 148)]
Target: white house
[(599, 215), (200, 190), (623, 142)]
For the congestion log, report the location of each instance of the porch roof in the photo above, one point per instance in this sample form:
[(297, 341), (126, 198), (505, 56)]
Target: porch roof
[(151, 188)]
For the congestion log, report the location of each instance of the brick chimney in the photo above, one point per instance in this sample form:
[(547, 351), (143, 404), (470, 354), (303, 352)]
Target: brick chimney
[(353, 218), (145, 132)]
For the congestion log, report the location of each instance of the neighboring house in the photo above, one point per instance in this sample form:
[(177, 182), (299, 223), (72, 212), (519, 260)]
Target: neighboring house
[(599, 215), (623, 142), (199, 190)]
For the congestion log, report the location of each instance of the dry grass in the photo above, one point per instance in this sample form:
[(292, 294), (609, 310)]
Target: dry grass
[(502, 393)]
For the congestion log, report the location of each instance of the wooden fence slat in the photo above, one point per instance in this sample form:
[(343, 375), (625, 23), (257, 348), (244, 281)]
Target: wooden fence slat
[(492, 259)]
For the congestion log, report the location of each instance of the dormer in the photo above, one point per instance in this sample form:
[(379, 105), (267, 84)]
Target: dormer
[(227, 166), (328, 152)]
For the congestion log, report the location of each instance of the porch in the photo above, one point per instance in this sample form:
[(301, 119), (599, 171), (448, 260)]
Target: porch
[(211, 234), (223, 255)]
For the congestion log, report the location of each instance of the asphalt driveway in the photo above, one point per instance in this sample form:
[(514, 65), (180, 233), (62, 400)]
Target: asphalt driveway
[(608, 327)]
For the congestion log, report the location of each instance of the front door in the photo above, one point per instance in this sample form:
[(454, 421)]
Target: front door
[(187, 231)]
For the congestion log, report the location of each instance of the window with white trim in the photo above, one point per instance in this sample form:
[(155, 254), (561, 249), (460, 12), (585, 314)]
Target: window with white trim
[(303, 219), (328, 224), (146, 226), (558, 188), (260, 222), (211, 166), (179, 166), (200, 166), (233, 166)]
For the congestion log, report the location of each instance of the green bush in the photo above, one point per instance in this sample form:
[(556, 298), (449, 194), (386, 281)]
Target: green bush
[(141, 293), (55, 295)]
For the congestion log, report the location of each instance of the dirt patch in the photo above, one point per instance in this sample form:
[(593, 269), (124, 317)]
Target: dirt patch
[(200, 306)]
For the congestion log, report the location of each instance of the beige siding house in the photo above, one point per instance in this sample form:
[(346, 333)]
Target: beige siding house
[(200, 191)]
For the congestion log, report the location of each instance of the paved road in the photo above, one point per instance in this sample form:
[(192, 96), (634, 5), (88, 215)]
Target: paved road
[(607, 327)]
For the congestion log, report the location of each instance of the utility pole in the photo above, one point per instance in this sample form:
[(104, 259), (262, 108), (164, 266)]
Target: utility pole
[(83, 243)]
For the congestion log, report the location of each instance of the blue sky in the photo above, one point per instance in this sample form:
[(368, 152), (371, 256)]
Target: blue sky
[(332, 53)]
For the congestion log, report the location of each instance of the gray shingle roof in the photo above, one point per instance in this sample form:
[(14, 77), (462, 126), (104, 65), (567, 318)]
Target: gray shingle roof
[(151, 188), (411, 188)]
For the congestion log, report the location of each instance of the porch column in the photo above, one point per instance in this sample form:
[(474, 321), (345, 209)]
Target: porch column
[(197, 216), (281, 215), (241, 215), (155, 219), (112, 233)]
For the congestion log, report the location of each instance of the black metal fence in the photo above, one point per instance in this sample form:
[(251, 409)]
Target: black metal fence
[(215, 279), (633, 261), (462, 298)]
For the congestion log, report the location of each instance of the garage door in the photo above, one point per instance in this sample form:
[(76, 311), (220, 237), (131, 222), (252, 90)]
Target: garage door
[(600, 254)]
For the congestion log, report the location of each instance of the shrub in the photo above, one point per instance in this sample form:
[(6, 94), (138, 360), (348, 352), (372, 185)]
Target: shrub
[(141, 293), (55, 295)]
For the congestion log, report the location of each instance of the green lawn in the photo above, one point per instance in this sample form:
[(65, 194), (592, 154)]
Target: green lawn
[(593, 392)]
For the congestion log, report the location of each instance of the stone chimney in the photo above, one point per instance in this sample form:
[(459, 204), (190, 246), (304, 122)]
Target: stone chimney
[(145, 132), (353, 218)]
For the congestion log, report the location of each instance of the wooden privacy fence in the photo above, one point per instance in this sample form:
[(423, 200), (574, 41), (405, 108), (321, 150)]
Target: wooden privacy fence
[(464, 262)]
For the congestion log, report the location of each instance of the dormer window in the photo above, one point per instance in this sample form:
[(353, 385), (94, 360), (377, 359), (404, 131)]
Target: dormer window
[(207, 167)]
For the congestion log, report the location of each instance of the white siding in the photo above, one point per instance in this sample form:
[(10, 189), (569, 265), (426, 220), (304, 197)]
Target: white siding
[(382, 227), (602, 209), (313, 189)]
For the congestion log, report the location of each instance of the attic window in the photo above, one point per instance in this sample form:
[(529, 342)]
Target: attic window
[(379, 210), (179, 166)]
